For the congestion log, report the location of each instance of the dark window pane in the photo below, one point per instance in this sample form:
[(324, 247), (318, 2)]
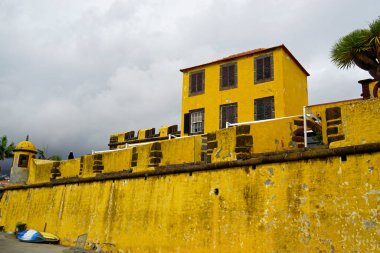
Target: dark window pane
[(228, 75), (259, 110), (193, 83), (231, 75), (259, 69), (267, 67), (200, 82), (196, 82), (264, 108), (23, 161), (186, 123), (264, 68), (224, 77), (228, 113), (268, 109)]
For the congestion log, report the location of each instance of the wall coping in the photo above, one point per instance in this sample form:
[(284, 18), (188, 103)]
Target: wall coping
[(252, 160)]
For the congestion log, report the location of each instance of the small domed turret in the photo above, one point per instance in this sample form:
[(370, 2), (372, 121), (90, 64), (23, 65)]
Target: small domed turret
[(23, 154), (25, 146)]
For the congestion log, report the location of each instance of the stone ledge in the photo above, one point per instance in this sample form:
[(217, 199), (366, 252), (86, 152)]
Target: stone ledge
[(255, 159)]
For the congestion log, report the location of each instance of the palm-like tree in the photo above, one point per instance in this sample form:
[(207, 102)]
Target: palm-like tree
[(6, 150), (41, 155), (360, 48)]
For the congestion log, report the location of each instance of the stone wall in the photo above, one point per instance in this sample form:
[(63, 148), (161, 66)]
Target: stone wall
[(323, 204)]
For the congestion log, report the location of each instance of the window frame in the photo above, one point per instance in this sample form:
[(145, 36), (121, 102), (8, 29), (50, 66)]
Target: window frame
[(256, 65), (197, 92), (227, 65), (192, 112), (23, 161), (273, 109), (221, 124)]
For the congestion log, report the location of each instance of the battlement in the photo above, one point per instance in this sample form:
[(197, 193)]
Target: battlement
[(251, 180), (342, 124), (121, 140)]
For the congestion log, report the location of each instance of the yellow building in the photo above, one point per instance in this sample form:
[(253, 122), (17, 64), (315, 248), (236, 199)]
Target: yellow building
[(260, 189), (260, 84)]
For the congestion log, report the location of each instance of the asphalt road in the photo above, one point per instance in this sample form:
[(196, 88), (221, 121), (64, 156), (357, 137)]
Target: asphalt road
[(9, 244)]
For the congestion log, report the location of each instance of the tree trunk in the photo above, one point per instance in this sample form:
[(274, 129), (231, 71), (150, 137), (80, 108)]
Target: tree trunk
[(364, 61), (375, 72)]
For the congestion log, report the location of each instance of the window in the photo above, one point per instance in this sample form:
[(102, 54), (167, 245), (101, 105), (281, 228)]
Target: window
[(196, 121), (228, 113), (228, 76), (197, 80), (264, 108), (23, 161), (264, 68)]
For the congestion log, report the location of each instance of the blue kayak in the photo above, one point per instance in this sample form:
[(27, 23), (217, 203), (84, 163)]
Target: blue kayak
[(34, 236)]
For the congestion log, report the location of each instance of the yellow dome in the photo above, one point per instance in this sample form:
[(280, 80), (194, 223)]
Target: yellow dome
[(26, 146)]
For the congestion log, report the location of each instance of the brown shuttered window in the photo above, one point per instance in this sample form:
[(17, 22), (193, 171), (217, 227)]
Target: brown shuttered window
[(228, 76), (196, 84), (264, 108), (263, 68), (228, 113)]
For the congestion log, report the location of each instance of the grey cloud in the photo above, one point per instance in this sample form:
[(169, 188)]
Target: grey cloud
[(73, 72)]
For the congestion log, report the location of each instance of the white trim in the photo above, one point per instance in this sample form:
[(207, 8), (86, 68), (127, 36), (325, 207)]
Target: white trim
[(307, 114), (259, 121), (304, 127)]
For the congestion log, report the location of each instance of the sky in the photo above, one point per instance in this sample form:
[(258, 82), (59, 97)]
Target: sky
[(73, 72)]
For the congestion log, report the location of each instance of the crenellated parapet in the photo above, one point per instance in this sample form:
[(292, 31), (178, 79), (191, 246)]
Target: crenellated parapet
[(120, 140), (340, 124)]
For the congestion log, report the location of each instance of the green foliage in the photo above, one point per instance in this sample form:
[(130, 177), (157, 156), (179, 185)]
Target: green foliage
[(360, 48), (343, 53), (374, 28), (55, 158), (6, 150), (41, 155)]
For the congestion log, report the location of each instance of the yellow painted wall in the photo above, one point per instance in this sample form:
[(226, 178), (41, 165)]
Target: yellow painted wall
[(247, 91), (40, 171), (295, 87), (360, 123), (360, 119), (279, 138), (117, 160), (174, 151), (320, 205), (184, 150)]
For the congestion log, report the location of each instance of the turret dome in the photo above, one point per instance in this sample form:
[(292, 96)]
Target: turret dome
[(25, 146)]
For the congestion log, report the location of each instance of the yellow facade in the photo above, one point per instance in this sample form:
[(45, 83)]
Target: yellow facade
[(357, 123), (248, 188), (289, 88), (325, 205)]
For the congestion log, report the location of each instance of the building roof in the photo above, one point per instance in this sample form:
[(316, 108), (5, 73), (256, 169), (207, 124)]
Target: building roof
[(26, 146), (248, 53)]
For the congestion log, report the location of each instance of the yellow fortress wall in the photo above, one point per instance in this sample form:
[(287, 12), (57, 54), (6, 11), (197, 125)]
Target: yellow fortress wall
[(357, 121), (248, 188), (175, 151), (326, 205)]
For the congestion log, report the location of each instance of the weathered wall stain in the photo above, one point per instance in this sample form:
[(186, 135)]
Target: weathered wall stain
[(229, 210)]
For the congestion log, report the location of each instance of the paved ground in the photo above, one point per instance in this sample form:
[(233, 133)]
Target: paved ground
[(9, 244)]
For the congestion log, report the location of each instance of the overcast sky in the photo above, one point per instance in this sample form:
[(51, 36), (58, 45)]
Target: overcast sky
[(72, 72)]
